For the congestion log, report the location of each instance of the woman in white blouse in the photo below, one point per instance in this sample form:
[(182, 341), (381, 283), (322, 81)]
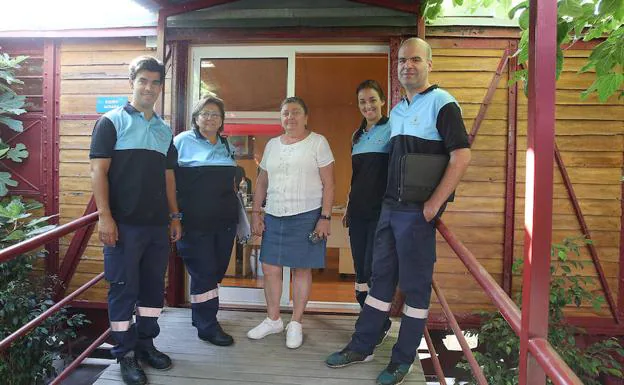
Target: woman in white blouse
[(297, 179)]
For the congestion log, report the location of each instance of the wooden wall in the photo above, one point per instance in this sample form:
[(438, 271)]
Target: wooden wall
[(89, 68), (477, 215), (590, 136)]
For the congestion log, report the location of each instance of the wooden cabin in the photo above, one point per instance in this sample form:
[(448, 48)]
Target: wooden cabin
[(253, 56)]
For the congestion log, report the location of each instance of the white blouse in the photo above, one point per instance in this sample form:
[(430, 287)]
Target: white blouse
[(295, 185)]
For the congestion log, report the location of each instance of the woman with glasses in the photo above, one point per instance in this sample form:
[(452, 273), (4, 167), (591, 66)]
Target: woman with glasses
[(209, 205), (297, 179)]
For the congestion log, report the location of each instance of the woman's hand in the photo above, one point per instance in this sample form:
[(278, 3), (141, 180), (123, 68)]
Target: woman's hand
[(257, 224), (345, 220), (322, 228)]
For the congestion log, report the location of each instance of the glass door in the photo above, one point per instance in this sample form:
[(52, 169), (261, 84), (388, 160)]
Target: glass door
[(252, 81)]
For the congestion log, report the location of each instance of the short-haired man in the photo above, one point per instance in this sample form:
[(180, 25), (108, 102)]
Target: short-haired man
[(428, 120), (132, 161)]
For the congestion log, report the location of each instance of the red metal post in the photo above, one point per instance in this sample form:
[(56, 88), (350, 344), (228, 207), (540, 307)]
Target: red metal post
[(421, 27), (49, 149), (161, 38), (510, 174), (394, 87), (488, 96), (585, 229), (539, 184), (434, 358), (76, 248), (175, 276)]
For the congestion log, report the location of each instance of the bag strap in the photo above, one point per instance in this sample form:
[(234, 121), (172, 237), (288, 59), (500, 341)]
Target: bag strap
[(227, 146)]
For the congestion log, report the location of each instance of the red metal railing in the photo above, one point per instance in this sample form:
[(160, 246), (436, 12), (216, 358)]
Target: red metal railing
[(546, 356), (34, 243)]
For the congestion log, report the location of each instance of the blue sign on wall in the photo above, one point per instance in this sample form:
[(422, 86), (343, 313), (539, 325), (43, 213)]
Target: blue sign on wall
[(106, 103)]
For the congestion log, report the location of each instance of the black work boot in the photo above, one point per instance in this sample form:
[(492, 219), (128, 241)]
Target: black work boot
[(131, 371), (218, 337), (154, 358)]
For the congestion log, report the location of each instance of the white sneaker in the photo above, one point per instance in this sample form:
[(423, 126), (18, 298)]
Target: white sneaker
[(294, 335), (266, 327)]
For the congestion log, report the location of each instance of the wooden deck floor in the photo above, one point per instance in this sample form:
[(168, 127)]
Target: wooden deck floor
[(266, 361)]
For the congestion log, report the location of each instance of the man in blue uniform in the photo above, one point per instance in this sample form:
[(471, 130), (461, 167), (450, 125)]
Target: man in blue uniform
[(132, 161), (428, 120)]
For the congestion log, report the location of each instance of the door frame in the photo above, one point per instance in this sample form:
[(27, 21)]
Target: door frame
[(255, 296)]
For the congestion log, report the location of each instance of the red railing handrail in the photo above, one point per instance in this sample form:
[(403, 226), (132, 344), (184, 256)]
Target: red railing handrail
[(477, 372), (5, 343), (554, 366), (31, 244), (41, 239), (505, 305), (94, 345)]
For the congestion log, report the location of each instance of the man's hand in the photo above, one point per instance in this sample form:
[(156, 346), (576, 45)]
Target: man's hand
[(175, 230), (430, 210), (108, 230)]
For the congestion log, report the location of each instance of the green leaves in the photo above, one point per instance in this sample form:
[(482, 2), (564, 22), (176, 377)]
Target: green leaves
[(570, 8), (5, 180), (605, 86), (498, 353), (18, 153), (577, 20), (11, 105), (13, 124)]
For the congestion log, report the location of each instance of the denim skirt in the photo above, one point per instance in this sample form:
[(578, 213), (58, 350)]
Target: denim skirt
[(285, 241)]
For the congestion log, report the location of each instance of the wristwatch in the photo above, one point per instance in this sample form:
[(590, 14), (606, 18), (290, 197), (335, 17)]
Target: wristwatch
[(328, 217), (173, 216)]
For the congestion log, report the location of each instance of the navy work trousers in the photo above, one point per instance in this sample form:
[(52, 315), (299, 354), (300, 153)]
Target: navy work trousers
[(135, 268), (404, 253), (361, 236), (206, 255)]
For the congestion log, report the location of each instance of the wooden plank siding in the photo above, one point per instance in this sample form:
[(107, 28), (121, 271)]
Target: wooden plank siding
[(477, 215), (89, 68), (590, 136)]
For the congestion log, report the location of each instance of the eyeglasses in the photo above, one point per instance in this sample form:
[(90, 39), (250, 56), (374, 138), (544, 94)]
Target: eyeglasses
[(286, 113), (209, 115)]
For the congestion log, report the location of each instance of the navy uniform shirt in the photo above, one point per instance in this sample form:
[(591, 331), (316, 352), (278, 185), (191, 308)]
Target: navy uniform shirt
[(369, 161), (140, 151), (205, 182), (430, 124)]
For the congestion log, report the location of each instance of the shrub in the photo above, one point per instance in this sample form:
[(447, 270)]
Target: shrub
[(499, 346), (25, 293)]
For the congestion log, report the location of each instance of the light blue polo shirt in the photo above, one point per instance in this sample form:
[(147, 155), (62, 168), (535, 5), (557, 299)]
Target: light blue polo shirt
[(419, 118), (196, 151), (377, 139)]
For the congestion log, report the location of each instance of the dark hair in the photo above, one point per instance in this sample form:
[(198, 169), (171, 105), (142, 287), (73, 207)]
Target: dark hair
[(146, 63), (296, 100), (203, 102), (366, 85)]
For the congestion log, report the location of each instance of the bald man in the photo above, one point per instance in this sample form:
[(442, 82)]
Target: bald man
[(427, 121)]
